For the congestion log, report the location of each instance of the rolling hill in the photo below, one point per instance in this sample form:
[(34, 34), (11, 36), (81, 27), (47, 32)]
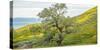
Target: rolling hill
[(86, 29)]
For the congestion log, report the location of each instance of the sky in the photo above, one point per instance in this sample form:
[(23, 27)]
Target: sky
[(30, 9)]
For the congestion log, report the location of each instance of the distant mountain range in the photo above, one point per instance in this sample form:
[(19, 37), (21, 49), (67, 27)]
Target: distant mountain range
[(20, 22), (34, 20)]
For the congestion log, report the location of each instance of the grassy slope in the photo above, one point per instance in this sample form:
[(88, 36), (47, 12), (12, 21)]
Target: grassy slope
[(86, 15), (25, 34), (86, 31)]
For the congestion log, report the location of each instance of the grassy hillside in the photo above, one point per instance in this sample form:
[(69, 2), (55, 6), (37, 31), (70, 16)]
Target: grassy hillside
[(86, 28), (86, 15), (26, 37)]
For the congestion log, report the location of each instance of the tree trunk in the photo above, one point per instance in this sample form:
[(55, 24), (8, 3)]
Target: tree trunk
[(60, 35), (60, 32), (59, 42)]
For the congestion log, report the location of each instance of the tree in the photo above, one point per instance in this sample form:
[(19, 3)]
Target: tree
[(54, 17)]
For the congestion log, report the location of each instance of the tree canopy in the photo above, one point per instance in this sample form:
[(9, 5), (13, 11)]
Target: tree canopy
[(54, 17)]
